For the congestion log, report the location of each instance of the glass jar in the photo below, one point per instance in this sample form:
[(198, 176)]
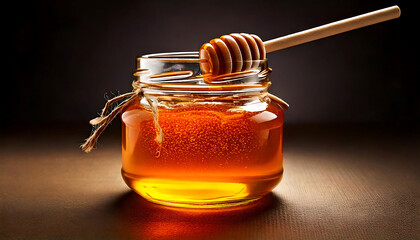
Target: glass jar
[(191, 143)]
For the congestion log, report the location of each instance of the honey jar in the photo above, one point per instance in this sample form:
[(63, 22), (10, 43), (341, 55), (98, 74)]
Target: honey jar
[(193, 141)]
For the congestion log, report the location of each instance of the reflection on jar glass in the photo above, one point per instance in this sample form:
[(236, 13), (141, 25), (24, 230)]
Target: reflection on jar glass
[(192, 143)]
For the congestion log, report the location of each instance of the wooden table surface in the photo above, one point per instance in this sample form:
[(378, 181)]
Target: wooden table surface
[(340, 182)]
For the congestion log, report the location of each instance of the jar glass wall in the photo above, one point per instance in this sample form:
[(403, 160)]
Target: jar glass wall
[(191, 143)]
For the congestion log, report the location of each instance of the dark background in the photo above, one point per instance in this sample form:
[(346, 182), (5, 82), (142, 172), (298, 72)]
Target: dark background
[(350, 141), (66, 55)]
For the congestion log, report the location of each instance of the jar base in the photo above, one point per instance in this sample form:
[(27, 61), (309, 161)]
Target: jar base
[(193, 193)]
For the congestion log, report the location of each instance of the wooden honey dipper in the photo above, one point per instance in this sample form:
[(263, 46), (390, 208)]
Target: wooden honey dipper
[(241, 51)]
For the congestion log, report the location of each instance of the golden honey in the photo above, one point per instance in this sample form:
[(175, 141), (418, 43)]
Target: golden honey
[(215, 152)]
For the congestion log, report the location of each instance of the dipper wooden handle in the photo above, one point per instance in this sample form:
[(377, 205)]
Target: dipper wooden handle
[(240, 52), (332, 29)]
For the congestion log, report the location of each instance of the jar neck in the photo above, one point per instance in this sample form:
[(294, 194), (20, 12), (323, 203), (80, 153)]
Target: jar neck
[(179, 75)]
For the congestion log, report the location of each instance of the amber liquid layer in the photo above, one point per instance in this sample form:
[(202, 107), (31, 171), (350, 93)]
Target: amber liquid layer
[(211, 155)]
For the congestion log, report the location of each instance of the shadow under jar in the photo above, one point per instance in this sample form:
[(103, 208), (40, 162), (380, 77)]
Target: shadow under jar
[(220, 142)]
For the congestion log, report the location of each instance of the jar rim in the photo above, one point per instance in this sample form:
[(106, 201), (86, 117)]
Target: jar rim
[(159, 63), (181, 71), (172, 56), (180, 57)]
